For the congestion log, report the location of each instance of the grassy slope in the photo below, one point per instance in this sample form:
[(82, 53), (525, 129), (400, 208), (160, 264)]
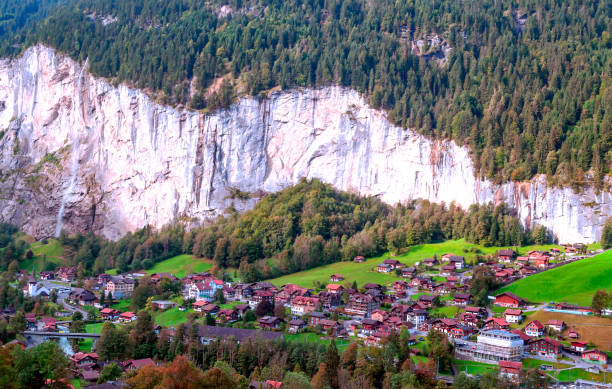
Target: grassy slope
[(471, 367), (122, 305), (575, 283), (95, 328), (53, 251), (181, 265), (365, 272), (310, 337), (171, 317), (574, 374)]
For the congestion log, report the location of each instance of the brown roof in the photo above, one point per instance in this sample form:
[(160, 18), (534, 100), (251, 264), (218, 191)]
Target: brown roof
[(138, 363)]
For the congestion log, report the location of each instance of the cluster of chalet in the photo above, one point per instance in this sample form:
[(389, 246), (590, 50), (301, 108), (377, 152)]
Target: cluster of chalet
[(533, 333), (450, 264), (462, 326), (88, 366), (363, 306), (315, 309), (119, 286), (389, 265), (532, 262), (201, 286), (37, 289)]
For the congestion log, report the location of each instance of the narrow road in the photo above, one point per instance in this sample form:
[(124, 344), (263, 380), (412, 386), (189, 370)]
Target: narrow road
[(62, 300)]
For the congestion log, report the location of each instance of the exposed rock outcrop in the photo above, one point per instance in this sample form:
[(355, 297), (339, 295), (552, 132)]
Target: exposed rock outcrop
[(80, 154)]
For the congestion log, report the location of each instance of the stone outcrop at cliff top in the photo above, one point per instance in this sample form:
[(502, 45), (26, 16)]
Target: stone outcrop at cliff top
[(80, 154)]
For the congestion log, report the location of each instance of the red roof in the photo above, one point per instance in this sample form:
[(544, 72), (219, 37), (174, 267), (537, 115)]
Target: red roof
[(513, 312), (142, 362), (594, 351), (511, 295), (537, 324), (80, 356), (510, 364), (523, 335), (553, 342), (498, 320), (334, 287)]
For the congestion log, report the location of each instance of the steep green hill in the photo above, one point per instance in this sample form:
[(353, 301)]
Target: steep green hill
[(181, 265), (526, 84), (575, 283)]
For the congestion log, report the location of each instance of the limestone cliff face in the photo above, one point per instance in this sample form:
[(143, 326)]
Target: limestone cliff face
[(80, 154)]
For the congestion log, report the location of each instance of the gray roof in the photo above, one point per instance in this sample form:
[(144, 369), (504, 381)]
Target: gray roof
[(239, 334)]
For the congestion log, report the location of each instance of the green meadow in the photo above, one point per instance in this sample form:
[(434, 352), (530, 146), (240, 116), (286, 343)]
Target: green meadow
[(52, 252), (181, 265), (575, 283), (171, 317)]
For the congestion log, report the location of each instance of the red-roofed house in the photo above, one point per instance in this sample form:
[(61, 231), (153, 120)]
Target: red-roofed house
[(534, 329), (269, 322), (447, 270), (513, 315), (542, 262), (304, 305), (579, 346), (227, 315), (127, 317), (84, 359), (198, 305), (496, 323), (505, 255), (210, 309), (461, 331), (556, 325), (510, 369), (546, 347), (596, 356), (400, 286), (134, 364), (109, 314), (336, 278), (461, 299), (334, 288), (522, 260), (509, 300)]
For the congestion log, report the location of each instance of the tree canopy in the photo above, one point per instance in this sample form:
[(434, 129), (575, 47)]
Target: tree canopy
[(526, 84)]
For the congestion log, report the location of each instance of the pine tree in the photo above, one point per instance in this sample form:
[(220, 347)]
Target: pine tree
[(332, 363)]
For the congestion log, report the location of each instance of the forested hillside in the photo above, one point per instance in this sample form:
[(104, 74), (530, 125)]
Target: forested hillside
[(526, 84), (301, 227)]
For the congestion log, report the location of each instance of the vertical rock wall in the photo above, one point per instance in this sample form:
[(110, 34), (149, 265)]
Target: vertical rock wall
[(80, 154)]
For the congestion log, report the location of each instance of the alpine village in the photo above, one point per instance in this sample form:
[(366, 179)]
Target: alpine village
[(330, 194)]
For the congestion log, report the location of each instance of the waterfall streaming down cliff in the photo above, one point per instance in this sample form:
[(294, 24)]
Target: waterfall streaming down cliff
[(135, 162), (74, 169)]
